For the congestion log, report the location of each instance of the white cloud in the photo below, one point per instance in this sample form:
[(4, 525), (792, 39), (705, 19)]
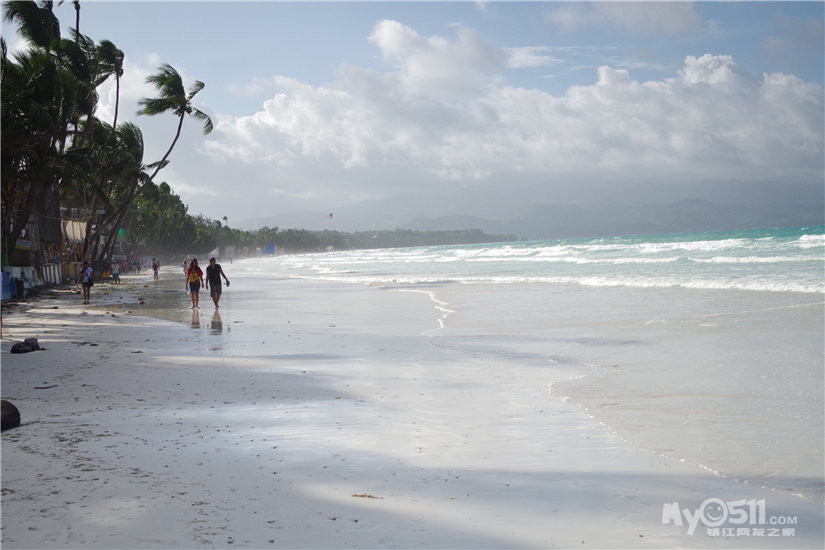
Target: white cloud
[(530, 56), (437, 66), (133, 88), (257, 87), (374, 134), (186, 188), (16, 44), (709, 69)]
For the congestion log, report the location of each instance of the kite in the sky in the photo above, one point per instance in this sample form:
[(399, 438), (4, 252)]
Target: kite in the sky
[(329, 215)]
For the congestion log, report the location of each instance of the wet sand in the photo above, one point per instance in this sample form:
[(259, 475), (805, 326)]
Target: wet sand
[(325, 417)]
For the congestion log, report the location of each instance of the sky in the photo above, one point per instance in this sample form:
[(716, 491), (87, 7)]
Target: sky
[(320, 106)]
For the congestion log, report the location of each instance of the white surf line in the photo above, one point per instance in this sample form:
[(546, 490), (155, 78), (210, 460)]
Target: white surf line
[(439, 305)]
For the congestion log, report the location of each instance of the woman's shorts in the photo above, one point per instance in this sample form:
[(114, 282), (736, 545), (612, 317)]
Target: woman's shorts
[(194, 287)]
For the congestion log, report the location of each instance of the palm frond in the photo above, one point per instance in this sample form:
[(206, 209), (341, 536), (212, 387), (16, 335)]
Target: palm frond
[(194, 89), (37, 24), (110, 57), (162, 164), (207, 122), (168, 82), (156, 106)]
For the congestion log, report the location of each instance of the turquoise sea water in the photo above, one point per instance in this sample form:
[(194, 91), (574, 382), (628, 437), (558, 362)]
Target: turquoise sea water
[(775, 260)]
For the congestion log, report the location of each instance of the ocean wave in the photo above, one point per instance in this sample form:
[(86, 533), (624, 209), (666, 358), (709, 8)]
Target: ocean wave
[(695, 246), (811, 287), (578, 260), (595, 249), (811, 241), (767, 260), (753, 259), (708, 284)]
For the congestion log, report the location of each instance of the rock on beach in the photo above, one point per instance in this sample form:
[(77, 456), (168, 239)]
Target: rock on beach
[(11, 416), (26, 346)]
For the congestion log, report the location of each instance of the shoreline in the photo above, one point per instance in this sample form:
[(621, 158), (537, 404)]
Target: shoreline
[(324, 419), (681, 356)]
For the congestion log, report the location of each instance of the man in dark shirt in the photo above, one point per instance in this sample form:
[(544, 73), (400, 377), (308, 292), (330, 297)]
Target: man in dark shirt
[(213, 277)]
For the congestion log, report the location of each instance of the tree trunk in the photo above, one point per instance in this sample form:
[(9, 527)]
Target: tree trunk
[(87, 238), (112, 237), (169, 152), (19, 218), (117, 101)]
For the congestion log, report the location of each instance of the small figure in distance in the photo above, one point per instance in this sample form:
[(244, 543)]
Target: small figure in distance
[(214, 271), (155, 267), (87, 280), (194, 279)]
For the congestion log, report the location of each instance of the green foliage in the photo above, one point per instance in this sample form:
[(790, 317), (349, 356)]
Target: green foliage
[(302, 240), (52, 141), (36, 22), (40, 100)]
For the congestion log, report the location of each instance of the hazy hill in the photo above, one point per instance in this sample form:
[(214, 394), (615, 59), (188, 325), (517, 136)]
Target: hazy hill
[(534, 212)]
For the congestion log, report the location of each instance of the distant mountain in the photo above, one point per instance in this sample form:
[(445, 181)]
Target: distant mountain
[(535, 212)]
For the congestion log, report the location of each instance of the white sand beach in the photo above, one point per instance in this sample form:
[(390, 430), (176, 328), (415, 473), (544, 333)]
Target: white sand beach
[(330, 416)]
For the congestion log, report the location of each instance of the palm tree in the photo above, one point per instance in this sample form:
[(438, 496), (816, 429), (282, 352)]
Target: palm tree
[(77, 14), (127, 178), (38, 103), (111, 61), (173, 98), (36, 22), (92, 65)]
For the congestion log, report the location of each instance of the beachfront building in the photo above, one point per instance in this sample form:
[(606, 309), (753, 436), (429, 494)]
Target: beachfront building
[(74, 233), (35, 258)]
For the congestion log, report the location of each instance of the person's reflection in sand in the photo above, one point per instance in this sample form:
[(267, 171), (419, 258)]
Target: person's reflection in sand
[(196, 319), (216, 326)]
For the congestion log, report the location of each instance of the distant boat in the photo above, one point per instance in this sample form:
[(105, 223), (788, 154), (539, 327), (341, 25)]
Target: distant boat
[(270, 249)]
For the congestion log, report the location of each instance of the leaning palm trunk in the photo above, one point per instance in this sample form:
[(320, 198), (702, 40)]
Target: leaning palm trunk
[(173, 98), (163, 162)]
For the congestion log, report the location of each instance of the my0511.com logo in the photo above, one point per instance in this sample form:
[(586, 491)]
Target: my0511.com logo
[(732, 518)]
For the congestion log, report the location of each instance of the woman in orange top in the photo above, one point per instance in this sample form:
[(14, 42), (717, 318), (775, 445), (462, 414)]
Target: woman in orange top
[(194, 280)]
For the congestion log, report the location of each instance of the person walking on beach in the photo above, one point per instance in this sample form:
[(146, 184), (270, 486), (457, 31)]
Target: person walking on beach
[(155, 267), (87, 280), (194, 280), (213, 277), (116, 273)]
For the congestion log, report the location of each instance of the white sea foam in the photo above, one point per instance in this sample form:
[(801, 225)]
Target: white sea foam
[(703, 246), (768, 260), (811, 241), (752, 259)]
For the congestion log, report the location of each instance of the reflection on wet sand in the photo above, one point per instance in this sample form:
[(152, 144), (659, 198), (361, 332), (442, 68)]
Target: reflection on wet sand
[(216, 326)]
